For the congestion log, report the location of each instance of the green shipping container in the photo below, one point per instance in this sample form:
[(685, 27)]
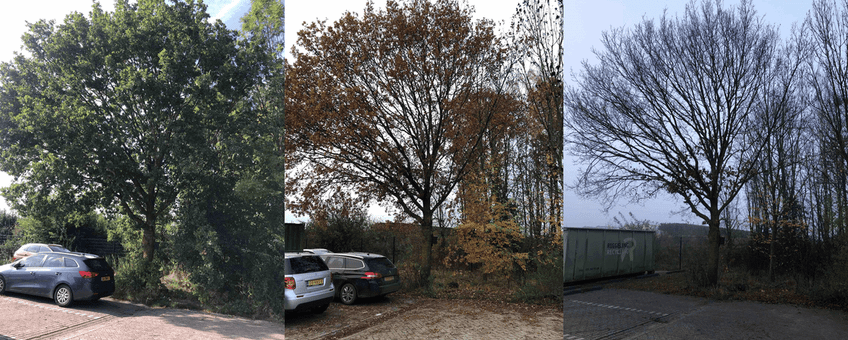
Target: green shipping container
[(598, 253)]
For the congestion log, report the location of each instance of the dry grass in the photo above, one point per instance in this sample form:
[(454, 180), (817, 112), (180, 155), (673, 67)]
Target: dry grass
[(464, 284), (733, 285)]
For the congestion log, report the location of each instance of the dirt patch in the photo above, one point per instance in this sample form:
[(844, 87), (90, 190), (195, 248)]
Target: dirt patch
[(341, 318), (468, 319), (415, 317)]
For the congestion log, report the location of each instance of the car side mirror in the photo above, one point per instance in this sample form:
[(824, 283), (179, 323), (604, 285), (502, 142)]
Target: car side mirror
[(17, 265)]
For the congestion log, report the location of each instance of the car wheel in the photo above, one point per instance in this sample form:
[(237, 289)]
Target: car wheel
[(321, 309), (348, 294), (63, 296), (2, 285)]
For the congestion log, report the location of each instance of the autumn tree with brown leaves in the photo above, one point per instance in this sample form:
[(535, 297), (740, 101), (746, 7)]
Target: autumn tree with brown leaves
[(391, 105)]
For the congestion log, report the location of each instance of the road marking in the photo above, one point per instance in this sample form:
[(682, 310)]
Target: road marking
[(65, 310), (570, 337), (621, 308)]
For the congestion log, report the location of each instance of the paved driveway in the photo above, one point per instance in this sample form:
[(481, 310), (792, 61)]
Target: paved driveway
[(626, 314), (28, 317)]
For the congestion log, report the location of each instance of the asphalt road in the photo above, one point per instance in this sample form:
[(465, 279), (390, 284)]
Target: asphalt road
[(29, 317), (626, 314)]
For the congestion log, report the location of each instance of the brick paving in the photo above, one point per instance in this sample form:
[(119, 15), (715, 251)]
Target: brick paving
[(27, 317), (166, 323)]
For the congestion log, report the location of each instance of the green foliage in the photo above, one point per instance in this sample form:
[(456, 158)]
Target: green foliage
[(113, 110), (8, 221), (339, 226), (266, 20), (65, 230), (229, 240), (543, 284), (169, 124), (137, 279)]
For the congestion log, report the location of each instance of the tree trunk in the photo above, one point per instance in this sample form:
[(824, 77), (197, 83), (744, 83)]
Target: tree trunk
[(771, 253), (148, 241), (713, 257), (427, 233)]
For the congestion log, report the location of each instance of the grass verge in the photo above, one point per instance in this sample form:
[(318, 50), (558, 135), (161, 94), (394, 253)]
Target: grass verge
[(733, 285)]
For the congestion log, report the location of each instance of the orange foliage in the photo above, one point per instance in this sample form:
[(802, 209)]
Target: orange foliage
[(488, 234)]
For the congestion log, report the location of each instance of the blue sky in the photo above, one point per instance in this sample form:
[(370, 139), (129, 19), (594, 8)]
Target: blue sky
[(584, 23), (16, 14)]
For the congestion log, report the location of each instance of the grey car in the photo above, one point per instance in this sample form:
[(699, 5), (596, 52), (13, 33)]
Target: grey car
[(64, 277), (309, 284)]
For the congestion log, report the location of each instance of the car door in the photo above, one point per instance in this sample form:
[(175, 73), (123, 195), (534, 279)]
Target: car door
[(353, 271), (47, 275), (22, 279), (336, 265)]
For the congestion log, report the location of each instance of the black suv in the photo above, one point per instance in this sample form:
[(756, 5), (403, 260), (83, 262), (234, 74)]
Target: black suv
[(358, 275)]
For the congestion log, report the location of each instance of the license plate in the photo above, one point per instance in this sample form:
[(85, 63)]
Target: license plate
[(105, 278), (389, 278), (312, 283)]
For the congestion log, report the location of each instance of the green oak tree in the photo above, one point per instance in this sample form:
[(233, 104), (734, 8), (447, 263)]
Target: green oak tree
[(123, 111)]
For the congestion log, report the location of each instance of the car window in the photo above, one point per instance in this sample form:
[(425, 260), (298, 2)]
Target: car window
[(380, 264), (71, 263), (54, 261), (97, 264), (335, 262), (33, 248), (33, 261), (304, 264), (58, 249), (353, 264), (43, 249)]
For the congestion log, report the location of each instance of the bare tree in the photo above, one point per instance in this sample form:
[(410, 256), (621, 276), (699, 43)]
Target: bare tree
[(828, 27), (537, 33), (676, 106)]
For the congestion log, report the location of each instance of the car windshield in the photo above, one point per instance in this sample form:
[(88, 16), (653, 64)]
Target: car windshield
[(304, 264), (58, 249), (380, 265)]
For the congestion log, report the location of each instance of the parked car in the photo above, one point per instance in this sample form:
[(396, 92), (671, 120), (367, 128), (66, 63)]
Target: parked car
[(30, 249), (309, 284), (357, 275), (64, 277)]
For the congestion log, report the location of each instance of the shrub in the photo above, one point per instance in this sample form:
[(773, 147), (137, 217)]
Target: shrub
[(137, 279), (543, 284)]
